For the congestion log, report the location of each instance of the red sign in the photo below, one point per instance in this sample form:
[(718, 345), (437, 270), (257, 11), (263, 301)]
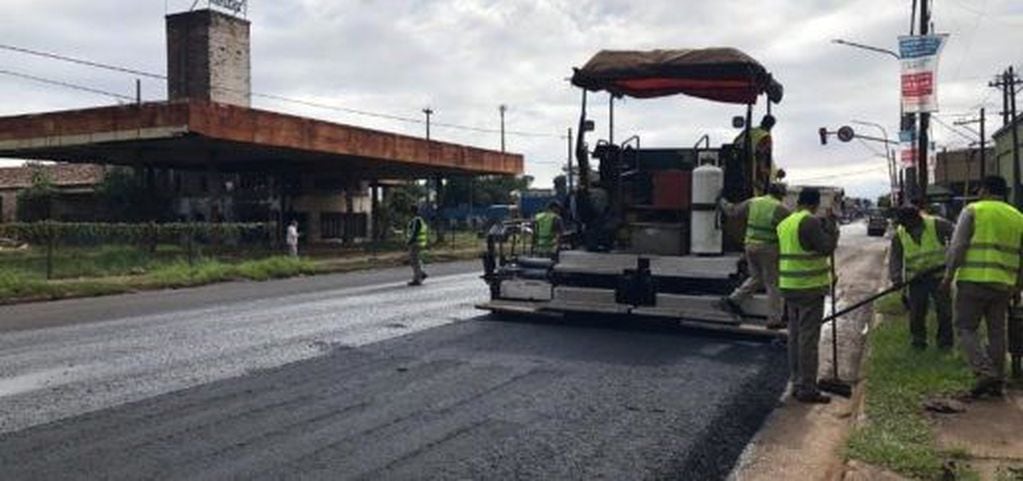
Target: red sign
[(918, 84)]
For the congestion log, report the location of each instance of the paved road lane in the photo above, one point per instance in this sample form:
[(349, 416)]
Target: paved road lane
[(363, 378), (471, 400), (160, 342)]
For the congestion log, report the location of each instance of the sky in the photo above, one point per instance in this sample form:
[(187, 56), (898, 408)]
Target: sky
[(464, 58)]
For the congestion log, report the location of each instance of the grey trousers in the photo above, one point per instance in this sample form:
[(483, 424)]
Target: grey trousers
[(763, 272), (920, 293), (973, 302), (805, 314), (416, 261), (293, 250)]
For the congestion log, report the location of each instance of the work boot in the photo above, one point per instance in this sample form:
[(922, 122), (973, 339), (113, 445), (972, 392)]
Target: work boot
[(415, 282), (728, 305), (987, 387), (777, 325), (812, 398)]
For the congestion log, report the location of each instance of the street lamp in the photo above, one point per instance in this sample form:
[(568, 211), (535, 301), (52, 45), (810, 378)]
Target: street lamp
[(889, 155), (871, 48), (903, 118)]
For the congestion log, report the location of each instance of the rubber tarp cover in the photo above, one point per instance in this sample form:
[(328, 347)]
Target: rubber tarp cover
[(719, 74)]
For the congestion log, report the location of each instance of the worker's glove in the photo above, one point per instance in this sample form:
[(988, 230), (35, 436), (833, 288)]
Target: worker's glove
[(946, 283)]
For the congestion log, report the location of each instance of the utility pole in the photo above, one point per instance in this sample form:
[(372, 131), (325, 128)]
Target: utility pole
[(568, 159), (1015, 137), (982, 142), (923, 147), (428, 111), (502, 108), (1008, 83)]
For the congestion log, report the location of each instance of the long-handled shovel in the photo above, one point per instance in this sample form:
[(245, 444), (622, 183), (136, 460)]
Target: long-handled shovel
[(834, 385)]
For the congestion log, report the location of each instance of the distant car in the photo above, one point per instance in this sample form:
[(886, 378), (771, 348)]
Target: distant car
[(877, 223)]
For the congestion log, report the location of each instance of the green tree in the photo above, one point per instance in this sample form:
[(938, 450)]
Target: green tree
[(486, 190), (36, 202), (884, 201), (126, 198)]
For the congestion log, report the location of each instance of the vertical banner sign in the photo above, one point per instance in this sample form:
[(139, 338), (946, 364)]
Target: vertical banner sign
[(908, 148), (919, 56)]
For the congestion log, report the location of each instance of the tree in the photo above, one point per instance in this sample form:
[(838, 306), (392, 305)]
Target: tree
[(36, 202), (884, 201), (125, 198), (487, 190)]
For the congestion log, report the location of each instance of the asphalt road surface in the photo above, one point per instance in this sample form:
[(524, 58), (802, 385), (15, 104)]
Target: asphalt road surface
[(358, 377)]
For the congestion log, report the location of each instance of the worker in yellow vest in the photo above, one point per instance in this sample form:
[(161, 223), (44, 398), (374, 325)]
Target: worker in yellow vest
[(417, 239), (547, 229), (984, 262), (760, 160), (763, 214), (919, 245), (805, 243)]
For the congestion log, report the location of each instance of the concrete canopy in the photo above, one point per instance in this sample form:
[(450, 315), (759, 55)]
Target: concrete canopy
[(201, 135)]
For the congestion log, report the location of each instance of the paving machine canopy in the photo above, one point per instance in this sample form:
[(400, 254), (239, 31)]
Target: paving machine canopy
[(719, 74)]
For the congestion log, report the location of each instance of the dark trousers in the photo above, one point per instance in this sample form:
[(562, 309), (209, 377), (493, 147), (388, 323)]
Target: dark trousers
[(920, 294), (976, 302), (805, 314)]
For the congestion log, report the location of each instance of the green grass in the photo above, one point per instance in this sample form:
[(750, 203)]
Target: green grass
[(92, 271), (896, 434)]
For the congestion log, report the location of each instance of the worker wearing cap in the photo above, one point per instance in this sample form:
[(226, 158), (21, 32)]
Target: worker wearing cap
[(547, 229), (805, 243), (417, 240), (984, 262), (761, 159), (917, 247), (763, 214)]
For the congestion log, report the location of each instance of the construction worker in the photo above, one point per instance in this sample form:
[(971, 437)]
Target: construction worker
[(760, 160), (547, 229), (919, 245), (763, 214), (805, 243), (984, 262), (418, 238)]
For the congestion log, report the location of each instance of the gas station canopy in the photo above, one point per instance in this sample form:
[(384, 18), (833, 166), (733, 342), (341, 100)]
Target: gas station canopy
[(200, 135)]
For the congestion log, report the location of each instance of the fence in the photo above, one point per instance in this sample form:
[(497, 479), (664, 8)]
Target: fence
[(190, 239)]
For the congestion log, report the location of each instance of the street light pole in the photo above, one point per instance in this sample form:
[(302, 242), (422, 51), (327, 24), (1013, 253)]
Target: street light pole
[(889, 155)]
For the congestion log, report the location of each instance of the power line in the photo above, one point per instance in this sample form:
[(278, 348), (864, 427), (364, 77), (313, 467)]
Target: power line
[(79, 61), (65, 84), (268, 96), (969, 138)]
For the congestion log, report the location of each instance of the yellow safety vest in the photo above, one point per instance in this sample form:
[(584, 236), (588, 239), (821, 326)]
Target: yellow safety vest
[(757, 134), (927, 254), (422, 238), (543, 232), (798, 267), (760, 227), (993, 255)]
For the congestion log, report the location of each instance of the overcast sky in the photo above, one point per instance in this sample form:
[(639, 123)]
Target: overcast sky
[(463, 58)]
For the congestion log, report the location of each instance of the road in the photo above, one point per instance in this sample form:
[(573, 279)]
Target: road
[(359, 377)]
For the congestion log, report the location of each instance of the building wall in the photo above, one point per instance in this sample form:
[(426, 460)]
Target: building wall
[(954, 168), (208, 57), (1003, 152)]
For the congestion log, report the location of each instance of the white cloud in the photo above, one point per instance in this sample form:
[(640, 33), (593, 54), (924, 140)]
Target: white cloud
[(465, 57)]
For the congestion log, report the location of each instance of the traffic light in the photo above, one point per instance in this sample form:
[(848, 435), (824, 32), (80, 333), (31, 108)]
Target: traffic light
[(823, 132)]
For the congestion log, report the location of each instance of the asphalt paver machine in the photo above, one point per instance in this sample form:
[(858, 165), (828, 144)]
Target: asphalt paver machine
[(644, 237)]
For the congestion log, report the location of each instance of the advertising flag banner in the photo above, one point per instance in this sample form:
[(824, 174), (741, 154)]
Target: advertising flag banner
[(919, 56), (908, 148)]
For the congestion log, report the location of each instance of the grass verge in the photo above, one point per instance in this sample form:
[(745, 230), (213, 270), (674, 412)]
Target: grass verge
[(17, 285), (896, 434)]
